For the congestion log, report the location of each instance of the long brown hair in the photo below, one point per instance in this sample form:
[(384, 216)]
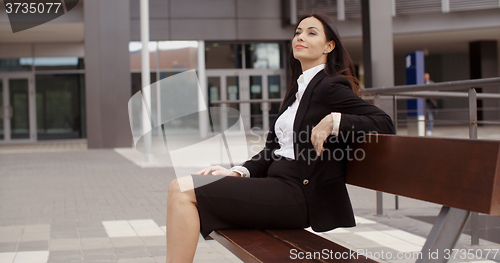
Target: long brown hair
[(338, 62)]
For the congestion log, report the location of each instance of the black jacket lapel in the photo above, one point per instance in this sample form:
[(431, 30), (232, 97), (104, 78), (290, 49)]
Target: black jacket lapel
[(304, 101), (287, 102)]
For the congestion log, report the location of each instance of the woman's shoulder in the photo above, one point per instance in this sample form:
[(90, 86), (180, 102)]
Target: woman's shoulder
[(339, 81)]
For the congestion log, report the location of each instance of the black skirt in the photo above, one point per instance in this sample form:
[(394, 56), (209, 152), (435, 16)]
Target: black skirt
[(275, 201)]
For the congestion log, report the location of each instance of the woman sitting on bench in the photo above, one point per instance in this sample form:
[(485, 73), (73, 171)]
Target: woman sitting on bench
[(298, 179)]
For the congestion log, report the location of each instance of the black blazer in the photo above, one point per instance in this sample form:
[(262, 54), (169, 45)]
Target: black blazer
[(325, 191)]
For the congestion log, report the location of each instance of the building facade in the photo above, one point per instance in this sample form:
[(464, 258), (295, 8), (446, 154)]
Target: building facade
[(72, 77)]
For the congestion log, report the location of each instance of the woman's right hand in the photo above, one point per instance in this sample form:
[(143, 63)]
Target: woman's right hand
[(218, 170)]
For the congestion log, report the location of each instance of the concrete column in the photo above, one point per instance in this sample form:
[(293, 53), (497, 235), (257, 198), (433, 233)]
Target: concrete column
[(483, 58), (378, 52), (378, 55), (107, 73), (202, 91)]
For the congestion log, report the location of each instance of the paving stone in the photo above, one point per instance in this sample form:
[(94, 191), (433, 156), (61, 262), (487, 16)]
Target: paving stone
[(7, 256), (132, 252), (8, 247), (63, 234), (136, 260), (64, 244), (126, 241), (9, 233), (154, 241), (98, 254), (32, 256), (158, 253), (160, 259), (95, 243), (156, 248), (65, 256), (33, 245)]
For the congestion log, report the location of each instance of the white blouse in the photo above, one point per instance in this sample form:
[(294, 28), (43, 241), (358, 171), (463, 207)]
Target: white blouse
[(284, 125)]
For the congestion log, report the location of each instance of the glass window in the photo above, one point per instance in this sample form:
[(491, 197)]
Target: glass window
[(233, 93), (135, 55), (274, 93), (168, 74), (222, 55), (19, 105), (16, 64), (165, 55), (214, 93), (178, 54), (60, 104), (59, 63), (1, 110), (214, 90), (256, 108), (263, 56), (137, 81)]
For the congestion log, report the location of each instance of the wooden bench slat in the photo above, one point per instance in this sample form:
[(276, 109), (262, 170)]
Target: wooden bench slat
[(252, 245), (306, 241), (459, 173)]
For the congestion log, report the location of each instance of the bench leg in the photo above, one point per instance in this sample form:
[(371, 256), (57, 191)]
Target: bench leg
[(444, 234)]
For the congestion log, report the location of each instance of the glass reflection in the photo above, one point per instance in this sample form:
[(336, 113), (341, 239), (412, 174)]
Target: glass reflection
[(60, 106), (136, 79), (263, 56), (58, 63), (18, 100), (1, 110), (165, 55), (256, 108), (214, 93), (233, 94), (274, 93), (178, 54), (16, 64), (222, 55), (135, 55)]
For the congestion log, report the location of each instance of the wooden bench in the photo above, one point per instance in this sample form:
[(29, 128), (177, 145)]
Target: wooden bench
[(461, 174)]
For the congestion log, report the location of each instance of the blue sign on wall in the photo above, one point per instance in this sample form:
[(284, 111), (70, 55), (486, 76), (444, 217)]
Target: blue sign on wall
[(415, 70)]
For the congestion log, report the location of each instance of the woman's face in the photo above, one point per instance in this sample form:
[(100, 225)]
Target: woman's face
[(310, 45)]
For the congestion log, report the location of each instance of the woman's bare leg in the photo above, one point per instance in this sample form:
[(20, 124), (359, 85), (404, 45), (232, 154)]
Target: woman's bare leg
[(183, 222)]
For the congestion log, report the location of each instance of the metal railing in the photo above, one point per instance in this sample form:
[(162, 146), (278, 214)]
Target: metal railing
[(433, 91)]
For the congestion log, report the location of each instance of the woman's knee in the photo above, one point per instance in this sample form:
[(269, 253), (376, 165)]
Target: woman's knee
[(178, 193), (174, 187)]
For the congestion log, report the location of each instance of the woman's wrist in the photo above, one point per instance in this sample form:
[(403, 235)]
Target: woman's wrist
[(336, 117), (235, 174), (241, 170)]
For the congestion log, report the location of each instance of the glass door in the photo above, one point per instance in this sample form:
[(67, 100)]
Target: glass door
[(3, 112), (225, 86), (256, 109), (241, 86), (263, 85), (17, 111), (274, 90)]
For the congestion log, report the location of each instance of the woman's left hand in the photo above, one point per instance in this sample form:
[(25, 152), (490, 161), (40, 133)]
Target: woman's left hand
[(217, 170), (320, 132)]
